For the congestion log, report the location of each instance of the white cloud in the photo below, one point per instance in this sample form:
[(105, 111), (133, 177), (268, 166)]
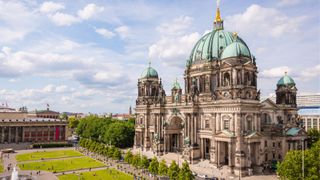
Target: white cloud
[(265, 22), (123, 31), (63, 19), (16, 21), (51, 7), (176, 26), (310, 73), (105, 33), (276, 72), (174, 50), (89, 11), (175, 44)]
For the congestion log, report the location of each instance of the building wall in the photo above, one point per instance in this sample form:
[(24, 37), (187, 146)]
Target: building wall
[(311, 121)]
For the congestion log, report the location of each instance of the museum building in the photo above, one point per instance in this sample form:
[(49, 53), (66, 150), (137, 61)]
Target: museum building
[(20, 126), (219, 115)]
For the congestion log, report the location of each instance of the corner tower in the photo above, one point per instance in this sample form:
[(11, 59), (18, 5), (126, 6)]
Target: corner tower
[(286, 92)]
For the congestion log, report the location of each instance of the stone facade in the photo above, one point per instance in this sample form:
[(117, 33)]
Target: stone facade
[(219, 116)]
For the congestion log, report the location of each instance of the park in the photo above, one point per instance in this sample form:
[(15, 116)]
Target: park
[(58, 163)]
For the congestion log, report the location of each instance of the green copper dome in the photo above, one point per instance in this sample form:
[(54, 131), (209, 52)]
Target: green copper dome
[(149, 73), (176, 85), (286, 80), (236, 49), (211, 45)]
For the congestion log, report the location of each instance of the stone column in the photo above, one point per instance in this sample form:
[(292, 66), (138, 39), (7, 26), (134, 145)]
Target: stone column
[(213, 123), (36, 130), (54, 133), (195, 121), (201, 148), (191, 128), (230, 154), (42, 133), (165, 143), (22, 136), (30, 132), (2, 133), (218, 121), (48, 137), (16, 135), (9, 135)]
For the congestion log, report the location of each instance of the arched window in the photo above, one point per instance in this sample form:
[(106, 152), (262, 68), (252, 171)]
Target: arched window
[(226, 79), (266, 118), (249, 123)]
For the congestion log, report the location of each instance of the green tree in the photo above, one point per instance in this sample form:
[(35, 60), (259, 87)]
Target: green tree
[(291, 167), (173, 171), (119, 134), (313, 136), (185, 173), (128, 157), (116, 154), (163, 168), (73, 122), (144, 162), (136, 160), (111, 151), (153, 167)]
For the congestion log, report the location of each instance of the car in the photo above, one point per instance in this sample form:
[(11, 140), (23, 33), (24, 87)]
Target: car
[(202, 176)]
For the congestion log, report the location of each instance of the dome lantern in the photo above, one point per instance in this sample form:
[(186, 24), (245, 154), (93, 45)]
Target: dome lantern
[(218, 22)]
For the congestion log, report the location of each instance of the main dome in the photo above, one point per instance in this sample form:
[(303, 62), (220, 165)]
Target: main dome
[(212, 45)]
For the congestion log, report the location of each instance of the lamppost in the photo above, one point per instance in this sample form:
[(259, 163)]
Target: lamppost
[(302, 158)]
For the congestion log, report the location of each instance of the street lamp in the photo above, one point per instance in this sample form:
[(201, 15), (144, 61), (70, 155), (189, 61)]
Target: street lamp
[(302, 158)]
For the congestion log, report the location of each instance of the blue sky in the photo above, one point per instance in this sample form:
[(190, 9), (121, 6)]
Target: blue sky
[(86, 56)]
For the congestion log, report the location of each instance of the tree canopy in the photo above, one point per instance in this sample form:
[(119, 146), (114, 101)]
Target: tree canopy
[(154, 165), (113, 132), (173, 171), (185, 173), (291, 167), (163, 168)]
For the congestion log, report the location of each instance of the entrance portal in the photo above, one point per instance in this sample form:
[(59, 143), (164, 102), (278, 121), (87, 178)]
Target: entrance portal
[(174, 143)]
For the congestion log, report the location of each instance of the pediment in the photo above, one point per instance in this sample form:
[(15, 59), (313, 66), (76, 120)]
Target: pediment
[(226, 133), (269, 104)]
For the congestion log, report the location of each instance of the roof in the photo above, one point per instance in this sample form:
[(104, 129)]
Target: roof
[(286, 80), (149, 73), (236, 49), (33, 120), (211, 46), (293, 131)]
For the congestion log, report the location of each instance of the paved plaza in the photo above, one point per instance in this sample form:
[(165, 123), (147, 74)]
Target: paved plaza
[(204, 167)]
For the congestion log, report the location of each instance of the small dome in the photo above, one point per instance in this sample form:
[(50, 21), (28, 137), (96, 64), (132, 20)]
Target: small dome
[(211, 45), (149, 73), (286, 80), (176, 85), (236, 49)]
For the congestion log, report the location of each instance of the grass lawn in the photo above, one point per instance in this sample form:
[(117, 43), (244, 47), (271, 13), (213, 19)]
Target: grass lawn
[(46, 155), (101, 174), (62, 165), (1, 167)]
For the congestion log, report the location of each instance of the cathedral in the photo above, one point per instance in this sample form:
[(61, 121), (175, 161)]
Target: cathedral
[(218, 115)]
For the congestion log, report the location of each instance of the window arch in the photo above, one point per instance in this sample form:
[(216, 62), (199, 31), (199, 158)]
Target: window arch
[(226, 79), (249, 123), (266, 119)]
